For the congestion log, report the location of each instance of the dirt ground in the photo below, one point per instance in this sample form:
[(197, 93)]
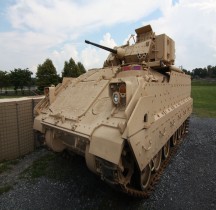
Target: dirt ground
[(189, 182)]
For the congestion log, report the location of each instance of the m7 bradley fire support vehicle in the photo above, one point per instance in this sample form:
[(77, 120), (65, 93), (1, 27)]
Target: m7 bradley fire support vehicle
[(124, 118)]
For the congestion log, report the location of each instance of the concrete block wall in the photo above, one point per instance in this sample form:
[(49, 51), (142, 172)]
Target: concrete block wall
[(16, 132)]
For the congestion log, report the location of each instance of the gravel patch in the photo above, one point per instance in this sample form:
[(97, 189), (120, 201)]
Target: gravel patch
[(189, 182), (11, 175)]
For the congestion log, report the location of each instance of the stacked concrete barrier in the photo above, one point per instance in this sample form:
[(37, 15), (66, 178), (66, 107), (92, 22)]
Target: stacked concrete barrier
[(16, 133)]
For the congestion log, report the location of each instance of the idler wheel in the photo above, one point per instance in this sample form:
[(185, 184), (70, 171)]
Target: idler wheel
[(157, 161), (166, 149), (145, 177)]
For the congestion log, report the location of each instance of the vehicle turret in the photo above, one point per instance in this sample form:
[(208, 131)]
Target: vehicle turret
[(149, 49)]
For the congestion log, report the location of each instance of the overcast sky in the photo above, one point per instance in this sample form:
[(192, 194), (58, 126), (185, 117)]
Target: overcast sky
[(33, 30)]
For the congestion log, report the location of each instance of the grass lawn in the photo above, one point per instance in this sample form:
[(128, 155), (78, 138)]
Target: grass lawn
[(204, 96)]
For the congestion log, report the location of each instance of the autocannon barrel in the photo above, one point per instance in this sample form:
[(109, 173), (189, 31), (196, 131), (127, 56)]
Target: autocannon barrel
[(102, 47)]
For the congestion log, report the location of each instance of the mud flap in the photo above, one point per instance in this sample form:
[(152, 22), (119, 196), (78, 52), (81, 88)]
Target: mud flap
[(107, 143)]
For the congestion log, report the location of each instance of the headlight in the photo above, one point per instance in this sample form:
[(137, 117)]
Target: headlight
[(116, 98), (118, 93)]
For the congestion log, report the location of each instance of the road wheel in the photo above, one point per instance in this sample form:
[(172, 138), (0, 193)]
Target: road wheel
[(174, 139), (166, 149), (179, 131), (157, 161), (145, 177)]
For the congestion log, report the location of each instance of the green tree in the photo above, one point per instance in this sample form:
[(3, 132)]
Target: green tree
[(4, 79), (211, 71), (81, 68), (214, 71), (46, 75), (20, 78), (199, 72), (186, 71), (70, 69), (7, 82), (2, 73), (66, 70)]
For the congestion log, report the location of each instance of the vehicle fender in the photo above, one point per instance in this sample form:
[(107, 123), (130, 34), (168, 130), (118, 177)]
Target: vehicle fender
[(107, 143), (37, 124)]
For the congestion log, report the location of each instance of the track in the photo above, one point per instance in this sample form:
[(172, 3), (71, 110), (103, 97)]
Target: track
[(155, 177)]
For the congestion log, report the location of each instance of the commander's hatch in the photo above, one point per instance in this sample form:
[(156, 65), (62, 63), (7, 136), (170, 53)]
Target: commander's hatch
[(139, 51), (144, 33)]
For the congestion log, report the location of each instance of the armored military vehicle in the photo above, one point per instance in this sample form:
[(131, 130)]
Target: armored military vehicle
[(125, 118)]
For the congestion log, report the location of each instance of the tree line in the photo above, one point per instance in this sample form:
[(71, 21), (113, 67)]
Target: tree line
[(46, 75), (207, 72)]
